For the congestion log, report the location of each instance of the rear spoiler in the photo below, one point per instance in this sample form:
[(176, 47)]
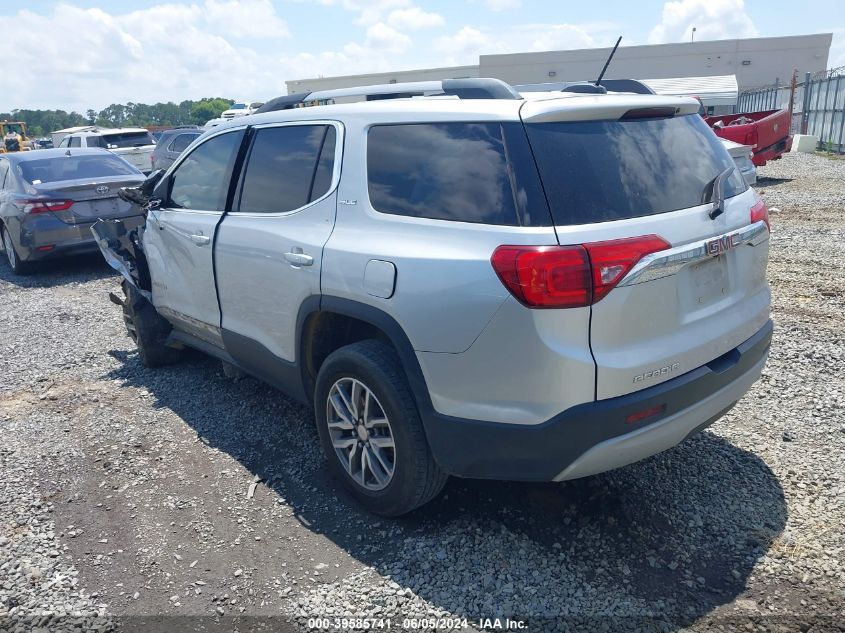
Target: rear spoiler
[(609, 107)]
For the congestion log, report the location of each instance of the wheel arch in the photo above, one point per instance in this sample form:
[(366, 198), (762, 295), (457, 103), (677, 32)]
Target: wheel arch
[(317, 338)]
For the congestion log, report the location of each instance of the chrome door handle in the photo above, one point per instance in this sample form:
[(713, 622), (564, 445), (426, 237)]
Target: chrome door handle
[(299, 259), (200, 240)]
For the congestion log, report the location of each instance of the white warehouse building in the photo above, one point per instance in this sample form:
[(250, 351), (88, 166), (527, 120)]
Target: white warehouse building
[(755, 62)]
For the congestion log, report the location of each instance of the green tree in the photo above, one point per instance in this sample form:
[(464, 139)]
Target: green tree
[(208, 108), (42, 122), (112, 116)]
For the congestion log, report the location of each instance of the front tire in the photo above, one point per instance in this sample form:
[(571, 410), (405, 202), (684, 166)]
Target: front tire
[(18, 267), (371, 432), (147, 328)]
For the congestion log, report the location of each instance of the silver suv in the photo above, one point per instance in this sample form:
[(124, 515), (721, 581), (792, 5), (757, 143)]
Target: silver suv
[(460, 280)]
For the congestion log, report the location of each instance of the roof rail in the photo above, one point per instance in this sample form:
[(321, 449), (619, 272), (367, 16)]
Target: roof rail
[(480, 88), (476, 88), (283, 103)]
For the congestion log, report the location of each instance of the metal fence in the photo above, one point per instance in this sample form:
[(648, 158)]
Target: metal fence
[(818, 106)]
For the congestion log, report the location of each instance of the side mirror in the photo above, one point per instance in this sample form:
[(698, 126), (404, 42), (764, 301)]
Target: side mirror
[(111, 146)]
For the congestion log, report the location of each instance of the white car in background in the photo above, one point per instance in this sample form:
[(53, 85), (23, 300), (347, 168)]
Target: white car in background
[(241, 108), (135, 145), (742, 157)]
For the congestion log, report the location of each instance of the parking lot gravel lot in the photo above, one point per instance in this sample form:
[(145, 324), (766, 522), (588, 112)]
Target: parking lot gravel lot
[(131, 498)]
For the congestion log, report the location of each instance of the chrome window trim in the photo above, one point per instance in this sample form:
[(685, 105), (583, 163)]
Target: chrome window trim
[(336, 168), (666, 263)]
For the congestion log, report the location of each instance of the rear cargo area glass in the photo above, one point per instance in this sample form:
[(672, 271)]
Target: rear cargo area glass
[(598, 171)]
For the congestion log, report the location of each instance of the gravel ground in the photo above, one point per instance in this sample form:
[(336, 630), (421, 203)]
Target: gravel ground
[(130, 497)]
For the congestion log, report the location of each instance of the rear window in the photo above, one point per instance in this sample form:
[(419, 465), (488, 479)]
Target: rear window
[(597, 171), (126, 139), (465, 172), (74, 167)]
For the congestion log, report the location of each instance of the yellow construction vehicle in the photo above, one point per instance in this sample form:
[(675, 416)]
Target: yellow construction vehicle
[(13, 137)]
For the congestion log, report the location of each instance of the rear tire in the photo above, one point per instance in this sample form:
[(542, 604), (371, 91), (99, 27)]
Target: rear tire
[(399, 473), (148, 329), (18, 267)]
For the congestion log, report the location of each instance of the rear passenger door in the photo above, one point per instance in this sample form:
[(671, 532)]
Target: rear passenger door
[(269, 248)]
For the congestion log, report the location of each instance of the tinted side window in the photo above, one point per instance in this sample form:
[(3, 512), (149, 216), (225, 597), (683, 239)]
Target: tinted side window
[(201, 181), (181, 142), (64, 142), (75, 141), (285, 170), (444, 171), (95, 141)]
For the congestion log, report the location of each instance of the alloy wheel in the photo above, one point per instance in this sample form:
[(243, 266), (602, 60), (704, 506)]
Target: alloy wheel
[(361, 434)]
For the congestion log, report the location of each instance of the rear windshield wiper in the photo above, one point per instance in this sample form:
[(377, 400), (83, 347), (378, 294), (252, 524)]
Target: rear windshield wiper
[(717, 193)]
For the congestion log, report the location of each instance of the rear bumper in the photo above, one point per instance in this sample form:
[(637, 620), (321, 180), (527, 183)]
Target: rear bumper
[(45, 237), (595, 436)]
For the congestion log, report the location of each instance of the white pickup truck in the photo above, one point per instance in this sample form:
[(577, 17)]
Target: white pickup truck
[(134, 144), (241, 108)]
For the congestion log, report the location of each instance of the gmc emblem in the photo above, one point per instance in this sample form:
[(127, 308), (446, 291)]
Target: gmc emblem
[(722, 244)]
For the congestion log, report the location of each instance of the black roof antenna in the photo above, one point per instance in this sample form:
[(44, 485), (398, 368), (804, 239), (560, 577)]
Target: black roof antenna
[(607, 63)]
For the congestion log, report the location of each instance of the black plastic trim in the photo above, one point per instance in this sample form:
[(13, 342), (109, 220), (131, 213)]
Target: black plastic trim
[(254, 358), (394, 332)]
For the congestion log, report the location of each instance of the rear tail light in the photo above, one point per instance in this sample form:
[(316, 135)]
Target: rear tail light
[(545, 276), (44, 206), (612, 260), (760, 212), (569, 276)]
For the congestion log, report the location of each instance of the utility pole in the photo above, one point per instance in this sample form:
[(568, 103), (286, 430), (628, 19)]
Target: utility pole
[(692, 37)]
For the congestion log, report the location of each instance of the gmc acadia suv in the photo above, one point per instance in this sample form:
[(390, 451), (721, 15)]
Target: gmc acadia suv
[(460, 280)]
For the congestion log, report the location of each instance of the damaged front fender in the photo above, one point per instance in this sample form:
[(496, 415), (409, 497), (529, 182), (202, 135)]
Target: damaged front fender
[(121, 246)]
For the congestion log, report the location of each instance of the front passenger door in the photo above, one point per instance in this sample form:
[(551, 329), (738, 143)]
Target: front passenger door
[(179, 236)]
